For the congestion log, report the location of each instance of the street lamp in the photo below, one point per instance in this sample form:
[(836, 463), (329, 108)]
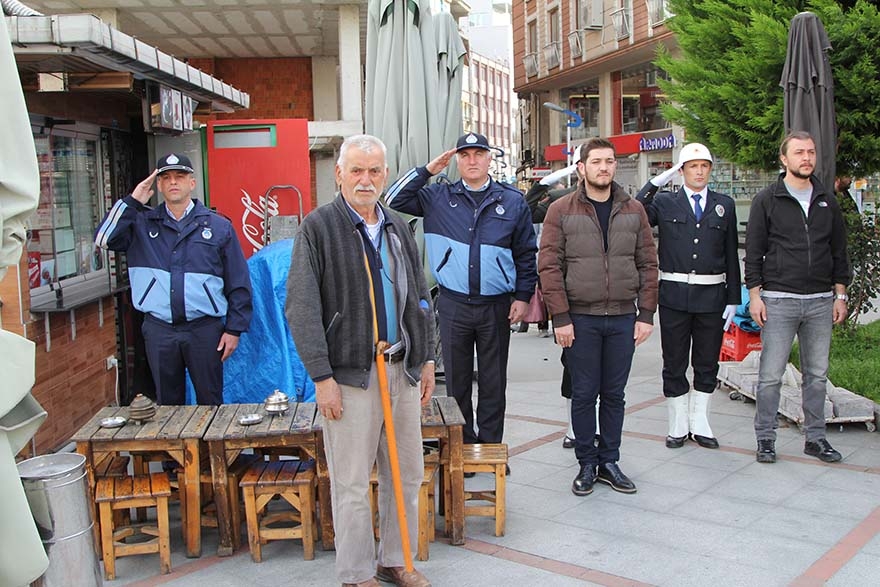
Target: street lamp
[(574, 121)]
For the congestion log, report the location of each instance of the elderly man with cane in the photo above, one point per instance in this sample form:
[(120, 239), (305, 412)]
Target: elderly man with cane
[(361, 318)]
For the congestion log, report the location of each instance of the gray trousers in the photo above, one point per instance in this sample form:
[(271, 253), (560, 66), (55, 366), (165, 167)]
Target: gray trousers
[(353, 443), (811, 321)]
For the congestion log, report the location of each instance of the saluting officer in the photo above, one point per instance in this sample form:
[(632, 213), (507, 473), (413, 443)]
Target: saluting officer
[(188, 275), (699, 288)]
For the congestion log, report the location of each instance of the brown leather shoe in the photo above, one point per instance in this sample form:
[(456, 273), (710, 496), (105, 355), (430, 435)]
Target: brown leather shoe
[(367, 583), (401, 578)]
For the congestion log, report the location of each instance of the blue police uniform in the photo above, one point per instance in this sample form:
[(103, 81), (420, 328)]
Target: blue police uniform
[(481, 248), (190, 278)]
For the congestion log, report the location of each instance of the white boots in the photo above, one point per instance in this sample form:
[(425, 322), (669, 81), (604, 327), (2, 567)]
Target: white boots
[(698, 421), (689, 414), (568, 441), (677, 408)]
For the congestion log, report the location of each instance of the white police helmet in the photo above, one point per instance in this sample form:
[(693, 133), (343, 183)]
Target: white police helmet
[(694, 152)]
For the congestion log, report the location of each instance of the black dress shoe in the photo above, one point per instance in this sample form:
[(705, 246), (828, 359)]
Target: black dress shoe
[(567, 442), (611, 474), (705, 441), (766, 451), (822, 450), (675, 442), (583, 483)]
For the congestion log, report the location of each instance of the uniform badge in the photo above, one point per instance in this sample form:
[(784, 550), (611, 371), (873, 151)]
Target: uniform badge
[(719, 209), (207, 234), (471, 139), (823, 204), (153, 234), (499, 209), (172, 159)]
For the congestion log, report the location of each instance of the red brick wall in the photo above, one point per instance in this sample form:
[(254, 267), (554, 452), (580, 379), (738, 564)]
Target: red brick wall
[(279, 88), (72, 381)]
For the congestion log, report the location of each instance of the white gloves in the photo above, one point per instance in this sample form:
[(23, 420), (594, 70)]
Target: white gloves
[(729, 313), (663, 178), (558, 175)]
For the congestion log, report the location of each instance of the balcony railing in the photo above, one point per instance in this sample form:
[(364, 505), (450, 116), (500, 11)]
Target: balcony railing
[(530, 63), (658, 12), (551, 55), (574, 44), (620, 22)]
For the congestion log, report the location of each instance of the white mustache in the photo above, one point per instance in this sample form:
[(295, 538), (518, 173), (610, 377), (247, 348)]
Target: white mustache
[(370, 189)]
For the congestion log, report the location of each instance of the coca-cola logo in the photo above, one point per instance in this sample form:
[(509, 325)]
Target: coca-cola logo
[(254, 229)]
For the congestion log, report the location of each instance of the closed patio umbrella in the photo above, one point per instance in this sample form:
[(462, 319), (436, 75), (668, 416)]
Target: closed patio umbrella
[(450, 70), (809, 91), (402, 101)]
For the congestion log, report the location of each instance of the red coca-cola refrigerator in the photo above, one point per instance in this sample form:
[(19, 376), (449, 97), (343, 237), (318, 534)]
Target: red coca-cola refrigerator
[(258, 169)]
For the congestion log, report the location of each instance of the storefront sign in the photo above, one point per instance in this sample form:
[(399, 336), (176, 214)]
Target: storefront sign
[(539, 172), (657, 143)]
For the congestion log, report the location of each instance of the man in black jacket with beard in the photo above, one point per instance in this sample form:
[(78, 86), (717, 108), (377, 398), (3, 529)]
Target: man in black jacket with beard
[(797, 271)]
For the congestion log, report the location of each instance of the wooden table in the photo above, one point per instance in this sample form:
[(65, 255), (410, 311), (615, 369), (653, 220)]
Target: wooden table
[(297, 428), (300, 427), (174, 430)]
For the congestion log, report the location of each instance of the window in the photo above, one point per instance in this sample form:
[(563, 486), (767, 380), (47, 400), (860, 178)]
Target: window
[(61, 244), (551, 49), (574, 43), (532, 27), (553, 25)]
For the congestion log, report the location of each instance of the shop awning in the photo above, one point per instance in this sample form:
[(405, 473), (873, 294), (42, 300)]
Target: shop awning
[(78, 43)]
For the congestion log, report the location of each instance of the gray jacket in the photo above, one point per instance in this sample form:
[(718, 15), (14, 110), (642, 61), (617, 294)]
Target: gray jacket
[(328, 305)]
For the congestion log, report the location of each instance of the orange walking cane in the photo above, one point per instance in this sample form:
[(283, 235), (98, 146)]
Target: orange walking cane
[(381, 347)]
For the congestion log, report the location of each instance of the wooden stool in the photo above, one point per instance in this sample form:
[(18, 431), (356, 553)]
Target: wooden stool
[(426, 508), (295, 481), (487, 458), (116, 493), (114, 466), (209, 510)]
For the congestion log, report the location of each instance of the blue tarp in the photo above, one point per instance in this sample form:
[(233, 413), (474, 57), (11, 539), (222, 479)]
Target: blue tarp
[(266, 357), (743, 319)]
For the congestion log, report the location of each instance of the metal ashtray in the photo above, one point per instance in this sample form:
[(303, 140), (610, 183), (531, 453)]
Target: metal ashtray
[(249, 419), (114, 422)]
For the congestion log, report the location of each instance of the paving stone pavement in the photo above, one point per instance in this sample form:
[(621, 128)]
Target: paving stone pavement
[(700, 517)]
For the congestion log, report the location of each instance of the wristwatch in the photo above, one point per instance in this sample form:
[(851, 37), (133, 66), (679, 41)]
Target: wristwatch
[(843, 297)]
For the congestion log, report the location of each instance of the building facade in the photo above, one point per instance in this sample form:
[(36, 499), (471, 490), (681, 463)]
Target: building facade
[(594, 59)]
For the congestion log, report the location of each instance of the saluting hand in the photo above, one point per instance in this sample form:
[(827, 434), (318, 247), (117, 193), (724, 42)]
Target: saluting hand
[(440, 163), (144, 190)]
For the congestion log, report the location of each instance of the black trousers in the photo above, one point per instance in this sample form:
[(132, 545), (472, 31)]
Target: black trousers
[(174, 349), (679, 331), (484, 325)]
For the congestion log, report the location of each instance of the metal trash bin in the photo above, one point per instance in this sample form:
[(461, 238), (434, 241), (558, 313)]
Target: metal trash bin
[(57, 492)]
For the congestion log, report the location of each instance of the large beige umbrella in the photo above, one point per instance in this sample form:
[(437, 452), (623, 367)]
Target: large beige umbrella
[(402, 100), (22, 557)]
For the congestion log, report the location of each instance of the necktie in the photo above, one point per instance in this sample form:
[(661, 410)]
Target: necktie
[(698, 210)]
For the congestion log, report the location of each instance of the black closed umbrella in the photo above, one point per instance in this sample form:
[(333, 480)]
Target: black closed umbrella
[(809, 91)]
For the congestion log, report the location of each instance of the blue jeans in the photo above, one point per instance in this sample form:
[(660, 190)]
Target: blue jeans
[(599, 361), (811, 321)]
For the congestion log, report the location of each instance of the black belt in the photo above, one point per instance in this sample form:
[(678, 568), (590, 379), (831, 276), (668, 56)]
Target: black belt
[(395, 357)]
